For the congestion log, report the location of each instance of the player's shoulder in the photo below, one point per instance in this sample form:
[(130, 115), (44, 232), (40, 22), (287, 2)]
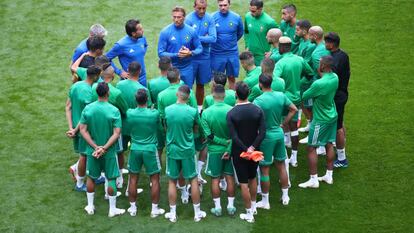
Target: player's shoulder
[(234, 14), (167, 28)]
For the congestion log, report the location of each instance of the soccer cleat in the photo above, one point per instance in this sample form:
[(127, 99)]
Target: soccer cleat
[(139, 190), (200, 215), (341, 163), (326, 179), (170, 216), (90, 210), (321, 150), (216, 211), (73, 171), (80, 189), (115, 212), (293, 163), (311, 183), (304, 140), (285, 200), (117, 195), (132, 211), (201, 180), (100, 180), (231, 210), (304, 129), (119, 182), (157, 212), (223, 184), (247, 218), (124, 171), (184, 196), (263, 205)]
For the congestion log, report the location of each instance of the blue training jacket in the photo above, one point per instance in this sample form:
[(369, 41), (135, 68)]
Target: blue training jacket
[(81, 49), (206, 31), (229, 29)]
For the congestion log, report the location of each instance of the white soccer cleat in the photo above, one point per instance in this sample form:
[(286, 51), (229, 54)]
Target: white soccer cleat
[(125, 171), (304, 140), (139, 190), (321, 150), (185, 195), (285, 200), (247, 218), (90, 210), (200, 215), (115, 212), (263, 205), (326, 179), (293, 163), (132, 211), (304, 129), (223, 184), (311, 183), (119, 182), (73, 171), (170, 216), (157, 212), (201, 180), (118, 194)]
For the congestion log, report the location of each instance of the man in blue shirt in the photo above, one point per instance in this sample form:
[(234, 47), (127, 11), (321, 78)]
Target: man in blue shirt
[(205, 27), (132, 47), (95, 30), (180, 42), (224, 53)]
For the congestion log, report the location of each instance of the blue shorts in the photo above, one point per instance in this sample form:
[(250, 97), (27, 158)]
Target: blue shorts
[(228, 64), (187, 75), (202, 71)]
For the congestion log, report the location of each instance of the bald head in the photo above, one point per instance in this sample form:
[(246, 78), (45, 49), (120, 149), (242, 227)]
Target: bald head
[(316, 34), (273, 35), (108, 74)]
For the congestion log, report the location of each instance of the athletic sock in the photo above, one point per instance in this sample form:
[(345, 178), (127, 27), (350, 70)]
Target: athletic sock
[(287, 168), (341, 154), (154, 207), (200, 107), (90, 197), (133, 205), (172, 209), (112, 202), (294, 156), (314, 177), (231, 202), (196, 208), (265, 198), (217, 204), (106, 187), (287, 138), (253, 205), (329, 173), (285, 193), (249, 213), (80, 181), (200, 165)]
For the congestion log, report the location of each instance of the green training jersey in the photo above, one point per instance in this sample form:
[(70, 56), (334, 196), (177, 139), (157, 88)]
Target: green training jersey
[(323, 91), (230, 99), (317, 53), (180, 120), (129, 89), (214, 124), (155, 86), (168, 97), (291, 68), (142, 125), (255, 30), (82, 73), (305, 49), (289, 31), (115, 98), (80, 95), (275, 55), (273, 104), (252, 76), (101, 118), (278, 84)]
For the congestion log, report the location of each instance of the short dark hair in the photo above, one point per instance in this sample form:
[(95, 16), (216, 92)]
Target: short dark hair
[(245, 55), (102, 62), (164, 63), (141, 96), (184, 92), (268, 65), (102, 89), (220, 78), (179, 9), (284, 48), (327, 60), (334, 38), (134, 68), (290, 7), (265, 80), (224, 0), (219, 89), (93, 71), (304, 24), (173, 74), (131, 26), (201, 1), (256, 3), (96, 43), (242, 90)]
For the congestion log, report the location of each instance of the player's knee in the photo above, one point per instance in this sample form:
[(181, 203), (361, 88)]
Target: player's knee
[(112, 187)]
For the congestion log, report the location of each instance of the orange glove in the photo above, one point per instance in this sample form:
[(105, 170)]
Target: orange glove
[(245, 155), (257, 156)]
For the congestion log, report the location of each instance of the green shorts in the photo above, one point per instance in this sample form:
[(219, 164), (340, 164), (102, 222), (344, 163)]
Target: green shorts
[(187, 166), (161, 139), (217, 167), (308, 103), (273, 147), (321, 133), (79, 145), (124, 142), (107, 164), (149, 159), (199, 144)]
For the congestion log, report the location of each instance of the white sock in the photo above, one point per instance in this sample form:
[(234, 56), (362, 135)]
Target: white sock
[(341, 154), (294, 156), (80, 180), (106, 187), (314, 177), (75, 165), (287, 168), (90, 197), (154, 207), (200, 165), (182, 188), (133, 205), (253, 205), (200, 107), (112, 202), (265, 198), (196, 208), (217, 204), (285, 192), (287, 138), (172, 209), (249, 213), (231, 202), (329, 173)]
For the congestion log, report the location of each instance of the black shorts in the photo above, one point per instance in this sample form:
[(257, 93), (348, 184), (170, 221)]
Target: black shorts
[(340, 109), (245, 169)]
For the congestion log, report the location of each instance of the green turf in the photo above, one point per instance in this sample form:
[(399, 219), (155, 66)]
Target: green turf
[(374, 194)]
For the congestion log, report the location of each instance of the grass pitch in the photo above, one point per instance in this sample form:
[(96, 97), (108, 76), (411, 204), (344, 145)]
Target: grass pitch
[(374, 194)]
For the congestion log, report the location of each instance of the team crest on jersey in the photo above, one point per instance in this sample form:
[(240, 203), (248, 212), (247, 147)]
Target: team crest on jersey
[(231, 24), (187, 38), (205, 24), (261, 28), (250, 25), (173, 38)]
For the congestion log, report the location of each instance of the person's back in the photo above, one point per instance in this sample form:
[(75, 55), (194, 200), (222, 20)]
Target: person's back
[(273, 105), (156, 86), (128, 89), (115, 97), (229, 99), (142, 125), (80, 95), (215, 117), (168, 97)]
